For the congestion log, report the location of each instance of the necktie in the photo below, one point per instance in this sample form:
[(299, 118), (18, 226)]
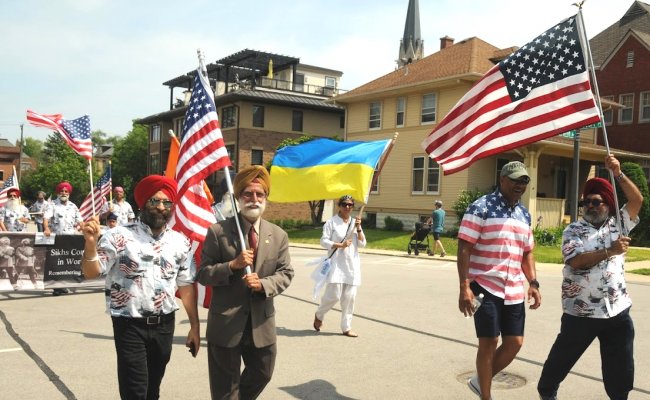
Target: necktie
[(252, 239)]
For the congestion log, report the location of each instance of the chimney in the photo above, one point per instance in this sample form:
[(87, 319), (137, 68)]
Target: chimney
[(446, 42)]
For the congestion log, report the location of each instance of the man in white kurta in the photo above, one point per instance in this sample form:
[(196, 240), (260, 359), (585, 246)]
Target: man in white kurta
[(343, 235)]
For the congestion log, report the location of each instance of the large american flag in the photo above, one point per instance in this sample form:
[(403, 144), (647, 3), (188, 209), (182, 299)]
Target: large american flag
[(202, 152), (100, 191), (539, 91), (10, 183), (75, 132)]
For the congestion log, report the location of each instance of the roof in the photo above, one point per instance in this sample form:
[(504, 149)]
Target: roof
[(6, 143), (470, 57), (636, 18), (261, 96), (242, 64)]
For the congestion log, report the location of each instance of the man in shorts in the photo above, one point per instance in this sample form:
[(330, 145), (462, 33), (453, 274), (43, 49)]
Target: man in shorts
[(488, 264)]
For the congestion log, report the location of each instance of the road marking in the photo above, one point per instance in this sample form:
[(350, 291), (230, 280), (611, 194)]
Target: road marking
[(12, 349)]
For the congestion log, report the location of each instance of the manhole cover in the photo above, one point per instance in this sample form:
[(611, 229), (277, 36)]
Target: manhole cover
[(503, 380)]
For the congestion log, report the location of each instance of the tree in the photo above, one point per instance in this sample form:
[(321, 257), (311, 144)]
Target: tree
[(640, 234), (33, 148), (59, 163), (129, 162)]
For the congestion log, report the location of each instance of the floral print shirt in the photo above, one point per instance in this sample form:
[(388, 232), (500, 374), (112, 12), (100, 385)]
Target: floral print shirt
[(600, 291), (10, 218), (143, 271)]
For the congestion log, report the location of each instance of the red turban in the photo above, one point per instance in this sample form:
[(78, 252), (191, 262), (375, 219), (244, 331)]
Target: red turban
[(152, 184), (250, 174), (603, 188), (64, 185), (13, 190)]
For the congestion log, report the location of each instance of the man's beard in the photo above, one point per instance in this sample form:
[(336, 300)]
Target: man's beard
[(155, 219), (249, 211), (13, 205), (63, 198), (596, 217)]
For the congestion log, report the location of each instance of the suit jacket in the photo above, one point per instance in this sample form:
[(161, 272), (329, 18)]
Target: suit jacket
[(232, 301)]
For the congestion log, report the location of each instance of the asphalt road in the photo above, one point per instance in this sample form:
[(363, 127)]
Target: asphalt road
[(413, 343)]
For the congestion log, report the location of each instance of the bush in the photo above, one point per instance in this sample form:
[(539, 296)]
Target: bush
[(291, 224), (393, 224), (548, 237), (641, 234), (463, 201)]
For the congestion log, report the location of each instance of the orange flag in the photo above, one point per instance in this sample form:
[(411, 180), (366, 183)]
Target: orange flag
[(172, 160)]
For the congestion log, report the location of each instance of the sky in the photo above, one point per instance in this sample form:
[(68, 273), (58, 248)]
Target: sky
[(109, 58)]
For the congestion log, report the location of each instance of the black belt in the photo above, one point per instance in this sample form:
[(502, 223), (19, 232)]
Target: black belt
[(154, 319)]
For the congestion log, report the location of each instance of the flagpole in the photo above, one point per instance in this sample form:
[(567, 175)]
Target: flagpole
[(227, 172), (383, 161), (92, 188), (110, 178), (592, 70)]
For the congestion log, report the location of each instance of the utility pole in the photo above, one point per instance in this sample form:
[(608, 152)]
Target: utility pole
[(20, 156)]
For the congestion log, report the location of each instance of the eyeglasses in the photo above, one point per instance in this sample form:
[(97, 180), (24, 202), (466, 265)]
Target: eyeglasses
[(346, 205), (524, 180), (12, 196), (591, 202), (249, 195), (165, 202)]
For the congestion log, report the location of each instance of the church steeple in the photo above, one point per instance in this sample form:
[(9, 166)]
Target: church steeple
[(411, 46)]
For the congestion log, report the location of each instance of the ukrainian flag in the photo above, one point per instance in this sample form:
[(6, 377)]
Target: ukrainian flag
[(324, 169)]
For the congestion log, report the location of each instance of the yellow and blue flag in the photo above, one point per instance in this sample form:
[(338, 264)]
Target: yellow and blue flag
[(324, 169)]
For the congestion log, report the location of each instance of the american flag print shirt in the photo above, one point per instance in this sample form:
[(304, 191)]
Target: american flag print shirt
[(63, 218), (143, 271), (600, 291), (501, 235), (11, 218)]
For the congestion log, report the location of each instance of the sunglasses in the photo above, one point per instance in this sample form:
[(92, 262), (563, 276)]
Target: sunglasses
[(346, 205), (155, 202), (592, 202), (521, 181)]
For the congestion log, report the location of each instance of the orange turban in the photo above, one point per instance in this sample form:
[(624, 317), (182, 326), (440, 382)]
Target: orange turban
[(604, 189), (250, 174), (64, 185), (152, 184)]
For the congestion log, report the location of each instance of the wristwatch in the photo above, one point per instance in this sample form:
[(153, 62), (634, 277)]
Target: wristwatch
[(534, 284)]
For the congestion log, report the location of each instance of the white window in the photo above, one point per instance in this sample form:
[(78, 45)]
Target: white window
[(178, 126), (425, 180), (230, 148), (155, 134), (608, 111), (428, 108), (330, 82), (400, 111), (644, 107), (625, 113), (374, 188), (630, 59), (374, 121)]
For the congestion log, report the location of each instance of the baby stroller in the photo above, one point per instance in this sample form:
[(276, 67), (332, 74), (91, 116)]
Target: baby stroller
[(418, 237)]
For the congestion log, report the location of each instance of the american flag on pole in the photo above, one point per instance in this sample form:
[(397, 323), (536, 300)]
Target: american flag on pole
[(202, 152), (100, 191), (539, 91), (75, 132), (10, 183)]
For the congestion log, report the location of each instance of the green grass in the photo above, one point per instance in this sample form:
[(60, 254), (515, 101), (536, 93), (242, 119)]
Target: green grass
[(386, 240), (641, 271)]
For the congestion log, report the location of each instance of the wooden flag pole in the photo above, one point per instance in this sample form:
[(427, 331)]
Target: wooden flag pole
[(92, 188), (383, 161), (110, 194)]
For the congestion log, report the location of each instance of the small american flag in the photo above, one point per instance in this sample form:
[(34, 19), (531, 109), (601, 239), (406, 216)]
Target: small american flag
[(202, 152), (75, 132), (539, 91), (102, 188), (10, 183)]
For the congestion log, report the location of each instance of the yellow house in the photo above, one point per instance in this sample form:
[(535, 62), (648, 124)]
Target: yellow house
[(412, 99)]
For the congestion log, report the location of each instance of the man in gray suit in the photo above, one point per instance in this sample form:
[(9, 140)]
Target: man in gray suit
[(241, 322)]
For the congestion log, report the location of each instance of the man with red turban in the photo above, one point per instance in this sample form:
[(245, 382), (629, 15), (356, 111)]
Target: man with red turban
[(144, 263), (13, 214), (595, 300), (242, 321), (61, 217)]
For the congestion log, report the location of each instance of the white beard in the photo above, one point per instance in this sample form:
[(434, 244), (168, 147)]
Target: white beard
[(63, 198), (13, 205), (252, 210)]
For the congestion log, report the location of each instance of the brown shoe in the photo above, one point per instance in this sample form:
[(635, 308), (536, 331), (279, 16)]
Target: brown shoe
[(350, 334), (317, 323)]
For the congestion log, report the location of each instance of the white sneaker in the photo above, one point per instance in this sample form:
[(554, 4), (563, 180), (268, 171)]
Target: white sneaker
[(475, 386)]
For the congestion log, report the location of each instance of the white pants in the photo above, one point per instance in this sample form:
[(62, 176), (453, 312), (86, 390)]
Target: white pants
[(335, 292)]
